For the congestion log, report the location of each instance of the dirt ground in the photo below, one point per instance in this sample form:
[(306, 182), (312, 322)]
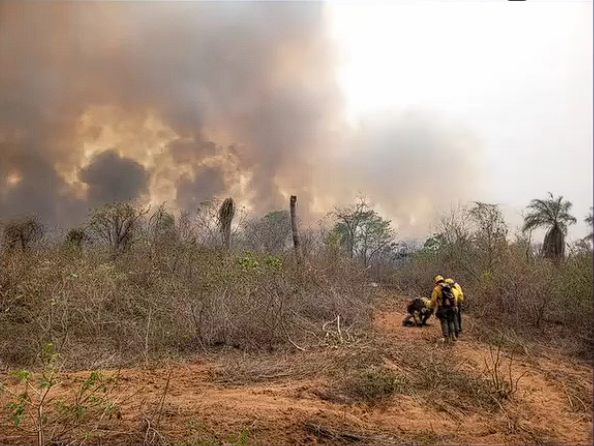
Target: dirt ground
[(193, 408)]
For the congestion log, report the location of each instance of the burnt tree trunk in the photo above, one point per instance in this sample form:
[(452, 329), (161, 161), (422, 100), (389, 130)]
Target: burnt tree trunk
[(295, 229), (226, 214)]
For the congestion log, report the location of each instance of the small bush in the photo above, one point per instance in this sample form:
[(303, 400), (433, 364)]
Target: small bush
[(439, 378), (500, 377), (374, 384), (370, 385), (39, 411)]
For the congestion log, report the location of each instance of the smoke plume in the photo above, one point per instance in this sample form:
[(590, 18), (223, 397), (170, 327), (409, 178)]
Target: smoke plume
[(112, 178), (198, 99)]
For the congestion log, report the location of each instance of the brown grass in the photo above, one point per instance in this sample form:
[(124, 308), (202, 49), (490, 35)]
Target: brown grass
[(145, 307)]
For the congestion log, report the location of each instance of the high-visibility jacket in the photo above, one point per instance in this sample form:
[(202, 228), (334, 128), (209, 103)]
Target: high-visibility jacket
[(425, 305), (435, 298), (458, 293), (436, 295)]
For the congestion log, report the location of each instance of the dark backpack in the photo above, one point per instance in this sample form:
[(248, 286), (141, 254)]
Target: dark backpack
[(447, 296), (415, 305)]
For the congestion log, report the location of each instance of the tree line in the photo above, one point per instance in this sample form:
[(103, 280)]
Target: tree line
[(357, 232)]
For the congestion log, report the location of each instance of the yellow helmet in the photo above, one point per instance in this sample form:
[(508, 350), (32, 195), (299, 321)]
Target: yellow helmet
[(438, 279), (449, 281)]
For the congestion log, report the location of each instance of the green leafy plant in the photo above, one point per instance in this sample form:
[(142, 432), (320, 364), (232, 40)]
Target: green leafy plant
[(35, 410), (248, 262), (275, 263), (243, 438)]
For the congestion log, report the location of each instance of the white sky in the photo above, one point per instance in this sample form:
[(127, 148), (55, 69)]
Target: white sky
[(517, 74)]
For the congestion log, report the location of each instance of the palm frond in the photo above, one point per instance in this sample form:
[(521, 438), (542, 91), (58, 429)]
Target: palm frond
[(554, 214)]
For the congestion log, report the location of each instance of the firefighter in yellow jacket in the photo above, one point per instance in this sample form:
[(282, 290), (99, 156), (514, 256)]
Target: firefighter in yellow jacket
[(443, 301), (459, 294), (417, 311)]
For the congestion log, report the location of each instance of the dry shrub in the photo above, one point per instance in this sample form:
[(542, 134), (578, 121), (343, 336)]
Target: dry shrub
[(149, 304), (240, 368), (525, 295), (576, 385), (437, 377), (341, 433), (440, 380), (500, 375), (370, 385), (21, 234)]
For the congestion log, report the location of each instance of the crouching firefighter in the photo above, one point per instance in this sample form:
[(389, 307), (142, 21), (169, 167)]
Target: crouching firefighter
[(444, 301), (419, 311)]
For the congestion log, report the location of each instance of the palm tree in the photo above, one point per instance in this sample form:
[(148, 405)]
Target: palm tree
[(552, 213), (590, 223)]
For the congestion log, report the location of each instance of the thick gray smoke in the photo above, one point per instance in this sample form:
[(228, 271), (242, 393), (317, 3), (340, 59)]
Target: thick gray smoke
[(414, 165), (254, 74), (112, 178), (199, 98)]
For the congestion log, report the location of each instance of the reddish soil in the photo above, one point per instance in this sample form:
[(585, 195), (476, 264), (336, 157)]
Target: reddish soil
[(198, 410)]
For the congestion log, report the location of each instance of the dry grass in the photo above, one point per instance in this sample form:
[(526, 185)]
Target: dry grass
[(241, 369), (342, 434), (371, 385), (144, 307), (244, 368), (577, 390), (374, 373), (439, 379), (380, 378), (336, 433)]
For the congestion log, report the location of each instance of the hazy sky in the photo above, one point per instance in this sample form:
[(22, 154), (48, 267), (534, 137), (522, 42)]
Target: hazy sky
[(421, 105), (517, 75)]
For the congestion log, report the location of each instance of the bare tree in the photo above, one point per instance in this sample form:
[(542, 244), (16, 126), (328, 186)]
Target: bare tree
[(205, 225), (311, 241), (490, 233), (162, 226), (22, 233), (295, 228), (116, 224), (76, 237), (270, 233), (349, 221), (184, 228), (588, 220), (362, 231), (454, 240)]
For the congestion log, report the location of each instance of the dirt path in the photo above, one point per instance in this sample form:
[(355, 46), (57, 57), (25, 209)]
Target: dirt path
[(546, 401), (200, 410)]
